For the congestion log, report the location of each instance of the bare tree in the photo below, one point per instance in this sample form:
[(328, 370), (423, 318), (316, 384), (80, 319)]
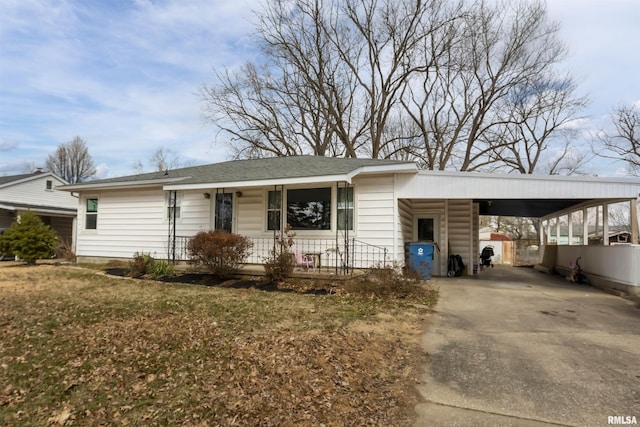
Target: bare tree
[(451, 84), (495, 99), (162, 159), (165, 159), (332, 81), (624, 142), (71, 161), (31, 167)]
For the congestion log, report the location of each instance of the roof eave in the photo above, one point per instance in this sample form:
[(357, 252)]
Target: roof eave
[(31, 178), (408, 167), (120, 185), (532, 177), (49, 210), (258, 182), (316, 179)]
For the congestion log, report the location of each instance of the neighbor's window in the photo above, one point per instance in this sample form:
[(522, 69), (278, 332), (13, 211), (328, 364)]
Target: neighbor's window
[(345, 208), (91, 216), (173, 201), (309, 209), (49, 185), (274, 210)]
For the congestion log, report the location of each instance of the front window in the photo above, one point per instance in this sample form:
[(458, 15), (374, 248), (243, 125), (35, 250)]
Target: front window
[(49, 185), (309, 209), (274, 210), (91, 215), (173, 201), (345, 208)]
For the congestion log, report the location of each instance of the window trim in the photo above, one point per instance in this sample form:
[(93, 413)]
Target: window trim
[(351, 208), (167, 206), (311, 233), (331, 209), (92, 213), (269, 210)]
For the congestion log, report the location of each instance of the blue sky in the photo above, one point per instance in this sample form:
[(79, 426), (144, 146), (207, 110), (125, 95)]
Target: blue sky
[(124, 75)]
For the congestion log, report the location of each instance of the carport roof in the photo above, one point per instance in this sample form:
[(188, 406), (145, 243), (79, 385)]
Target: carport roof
[(39, 209), (533, 208), (517, 195)]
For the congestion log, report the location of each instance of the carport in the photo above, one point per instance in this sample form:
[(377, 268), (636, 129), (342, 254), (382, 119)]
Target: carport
[(445, 207), (61, 220), (517, 347)]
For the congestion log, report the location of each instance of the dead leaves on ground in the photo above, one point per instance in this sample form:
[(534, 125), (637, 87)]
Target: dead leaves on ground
[(182, 366)]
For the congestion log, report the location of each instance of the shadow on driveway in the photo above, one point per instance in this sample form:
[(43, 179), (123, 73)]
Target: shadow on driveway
[(513, 346)]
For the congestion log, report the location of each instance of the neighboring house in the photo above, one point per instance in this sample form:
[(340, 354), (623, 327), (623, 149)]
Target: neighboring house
[(37, 192), (358, 212)]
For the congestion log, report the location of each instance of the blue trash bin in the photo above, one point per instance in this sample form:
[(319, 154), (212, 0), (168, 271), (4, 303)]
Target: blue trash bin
[(421, 258)]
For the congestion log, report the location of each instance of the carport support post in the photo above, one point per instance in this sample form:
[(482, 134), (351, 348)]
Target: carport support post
[(570, 227), (585, 226), (634, 220), (605, 224)]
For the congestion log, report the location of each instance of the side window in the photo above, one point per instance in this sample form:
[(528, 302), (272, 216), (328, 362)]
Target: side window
[(91, 214), (173, 201), (274, 210), (49, 184), (345, 208)]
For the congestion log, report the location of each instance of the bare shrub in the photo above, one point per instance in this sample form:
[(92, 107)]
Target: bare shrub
[(387, 281), (220, 251), (65, 251), (280, 263), (141, 264)]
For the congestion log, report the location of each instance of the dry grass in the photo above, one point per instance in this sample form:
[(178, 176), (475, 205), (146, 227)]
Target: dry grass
[(80, 348)]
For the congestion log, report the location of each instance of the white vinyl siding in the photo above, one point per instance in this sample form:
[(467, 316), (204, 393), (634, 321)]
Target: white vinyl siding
[(459, 224), (251, 212), (405, 227), (375, 211), (34, 192), (128, 222), (194, 213)]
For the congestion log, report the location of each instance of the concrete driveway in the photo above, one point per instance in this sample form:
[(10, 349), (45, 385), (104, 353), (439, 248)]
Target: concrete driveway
[(515, 347)]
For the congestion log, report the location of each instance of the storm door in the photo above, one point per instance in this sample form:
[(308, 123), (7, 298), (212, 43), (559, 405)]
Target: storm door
[(224, 212)]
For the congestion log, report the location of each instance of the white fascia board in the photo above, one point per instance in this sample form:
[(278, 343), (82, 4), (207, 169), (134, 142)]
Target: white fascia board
[(401, 168), (119, 185), (530, 177), (259, 183), (39, 210)]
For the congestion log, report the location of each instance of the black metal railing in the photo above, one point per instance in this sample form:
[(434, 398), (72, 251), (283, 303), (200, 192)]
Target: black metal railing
[(342, 255)]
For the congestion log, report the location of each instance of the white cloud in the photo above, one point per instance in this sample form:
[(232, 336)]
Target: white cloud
[(123, 78), (7, 145)]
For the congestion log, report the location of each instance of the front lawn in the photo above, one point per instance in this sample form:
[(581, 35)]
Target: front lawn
[(81, 348)]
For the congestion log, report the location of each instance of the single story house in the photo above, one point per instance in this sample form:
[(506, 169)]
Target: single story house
[(347, 211), (37, 192)]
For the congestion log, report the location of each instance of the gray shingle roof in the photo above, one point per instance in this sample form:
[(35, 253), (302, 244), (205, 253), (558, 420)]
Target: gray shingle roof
[(14, 178), (258, 169)]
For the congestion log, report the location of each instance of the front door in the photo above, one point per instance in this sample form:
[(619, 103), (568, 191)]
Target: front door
[(426, 228), (223, 219)]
